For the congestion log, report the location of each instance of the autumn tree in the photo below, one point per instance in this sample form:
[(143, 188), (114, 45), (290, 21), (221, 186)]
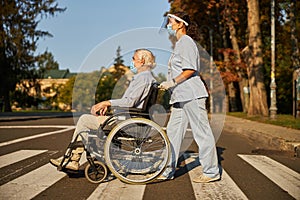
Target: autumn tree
[(232, 52), (221, 19), (19, 36)]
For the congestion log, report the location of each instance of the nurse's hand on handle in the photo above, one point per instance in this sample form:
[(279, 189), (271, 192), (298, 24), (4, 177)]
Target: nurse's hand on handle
[(167, 84), (182, 77)]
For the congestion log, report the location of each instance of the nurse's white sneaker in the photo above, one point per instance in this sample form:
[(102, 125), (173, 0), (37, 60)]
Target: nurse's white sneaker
[(162, 178), (205, 179)]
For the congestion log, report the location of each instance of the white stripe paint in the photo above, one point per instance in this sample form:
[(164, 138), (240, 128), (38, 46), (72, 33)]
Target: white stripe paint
[(36, 136), (281, 175), (33, 183), (223, 189), (18, 156), (116, 189)]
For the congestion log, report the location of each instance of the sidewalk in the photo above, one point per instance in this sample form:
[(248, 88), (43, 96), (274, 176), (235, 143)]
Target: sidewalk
[(271, 136), (21, 116)]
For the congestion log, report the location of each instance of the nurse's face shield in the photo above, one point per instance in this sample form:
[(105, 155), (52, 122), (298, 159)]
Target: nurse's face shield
[(163, 26), (169, 19)]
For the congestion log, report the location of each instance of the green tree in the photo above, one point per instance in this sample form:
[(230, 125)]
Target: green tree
[(163, 96), (118, 59), (19, 36), (112, 84), (160, 77), (105, 87), (65, 92), (84, 90), (46, 61)]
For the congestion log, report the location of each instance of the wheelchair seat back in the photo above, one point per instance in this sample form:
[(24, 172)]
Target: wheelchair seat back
[(151, 97)]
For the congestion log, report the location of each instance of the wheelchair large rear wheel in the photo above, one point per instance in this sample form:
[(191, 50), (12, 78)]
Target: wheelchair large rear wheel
[(137, 150)]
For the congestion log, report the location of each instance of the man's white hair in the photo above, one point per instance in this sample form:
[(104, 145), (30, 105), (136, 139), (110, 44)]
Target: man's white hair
[(147, 56)]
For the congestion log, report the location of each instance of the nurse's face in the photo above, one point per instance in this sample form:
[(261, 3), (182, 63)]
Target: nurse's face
[(174, 23)]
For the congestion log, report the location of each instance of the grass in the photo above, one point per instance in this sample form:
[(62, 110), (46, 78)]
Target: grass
[(281, 120)]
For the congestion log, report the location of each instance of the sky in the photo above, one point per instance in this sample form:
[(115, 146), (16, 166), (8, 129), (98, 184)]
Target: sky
[(87, 35)]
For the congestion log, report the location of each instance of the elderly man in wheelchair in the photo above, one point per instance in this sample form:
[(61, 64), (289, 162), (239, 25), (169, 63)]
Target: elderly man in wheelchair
[(135, 149)]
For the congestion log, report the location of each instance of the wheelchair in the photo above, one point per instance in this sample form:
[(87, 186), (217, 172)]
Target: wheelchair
[(129, 144)]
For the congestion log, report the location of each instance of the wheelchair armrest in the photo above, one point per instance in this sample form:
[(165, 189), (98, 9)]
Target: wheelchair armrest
[(123, 112), (117, 109)]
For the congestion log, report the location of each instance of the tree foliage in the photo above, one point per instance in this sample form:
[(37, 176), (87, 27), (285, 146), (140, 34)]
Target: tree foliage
[(19, 36), (65, 92), (86, 89), (46, 61), (118, 59)]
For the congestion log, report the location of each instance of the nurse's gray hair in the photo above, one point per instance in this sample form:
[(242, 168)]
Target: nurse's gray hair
[(147, 56)]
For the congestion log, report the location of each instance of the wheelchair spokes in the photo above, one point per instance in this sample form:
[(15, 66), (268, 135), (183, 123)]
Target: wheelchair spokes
[(137, 150)]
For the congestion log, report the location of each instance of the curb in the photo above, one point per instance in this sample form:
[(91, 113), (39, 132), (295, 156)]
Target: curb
[(267, 141), (9, 119)]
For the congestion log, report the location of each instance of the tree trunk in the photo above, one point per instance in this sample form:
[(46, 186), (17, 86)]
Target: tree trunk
[(4, 75), (243, 82), (230, 87), (295, 58), (294, 40), (258, 98)]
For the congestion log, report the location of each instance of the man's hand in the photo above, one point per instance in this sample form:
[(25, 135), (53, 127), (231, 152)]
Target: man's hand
[(100, 107), (167, 84)]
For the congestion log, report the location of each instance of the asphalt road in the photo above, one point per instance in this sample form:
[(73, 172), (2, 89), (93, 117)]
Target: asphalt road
[(248, 172)]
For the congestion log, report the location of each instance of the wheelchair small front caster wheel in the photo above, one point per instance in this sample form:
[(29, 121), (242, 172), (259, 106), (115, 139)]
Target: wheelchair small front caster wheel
[(96, 172)]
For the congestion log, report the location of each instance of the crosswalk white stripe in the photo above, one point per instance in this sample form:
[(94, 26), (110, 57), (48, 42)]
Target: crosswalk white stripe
[(36, 181), (223, 189), (98, 192), (18, 156), (118, 190), (31, 184), (281, 175), (35, 136), (226, 188)]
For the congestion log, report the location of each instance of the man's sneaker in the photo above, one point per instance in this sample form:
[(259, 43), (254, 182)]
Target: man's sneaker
[(56, 162), (73, 165), (205, 179)]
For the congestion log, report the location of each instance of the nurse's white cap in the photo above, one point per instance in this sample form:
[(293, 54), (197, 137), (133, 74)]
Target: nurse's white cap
[(178, 19)]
